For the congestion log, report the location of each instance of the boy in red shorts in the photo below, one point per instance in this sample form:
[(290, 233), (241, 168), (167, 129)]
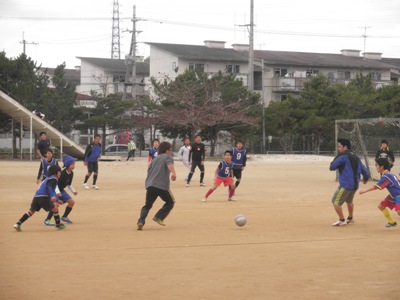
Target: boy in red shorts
[(223, 174), (389, 181)]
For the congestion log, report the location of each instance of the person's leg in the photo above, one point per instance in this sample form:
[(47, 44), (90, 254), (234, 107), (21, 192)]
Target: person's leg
[(151, 196), (192, 169), (95, 174), (70, 204), (337, 201), (210, 191), (164, 211), (201, 167)]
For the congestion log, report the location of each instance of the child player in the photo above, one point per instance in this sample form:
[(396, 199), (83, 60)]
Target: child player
[(45, 163), (153, 151), (239, 159), (65, 180), (391, 183), (92, 155), (223, 174), (46, 198), (184, 155)]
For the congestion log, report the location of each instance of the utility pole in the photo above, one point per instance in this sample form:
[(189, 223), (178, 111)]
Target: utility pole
[(24, 42), (250, 82), (130, 59), (365, 34), (263, 106), (115, 40)]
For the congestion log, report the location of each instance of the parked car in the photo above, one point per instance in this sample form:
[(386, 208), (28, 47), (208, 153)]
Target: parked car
[(116, 150)]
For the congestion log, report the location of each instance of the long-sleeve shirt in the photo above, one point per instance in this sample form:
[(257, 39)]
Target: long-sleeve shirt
[(198, 152), (92, 152)]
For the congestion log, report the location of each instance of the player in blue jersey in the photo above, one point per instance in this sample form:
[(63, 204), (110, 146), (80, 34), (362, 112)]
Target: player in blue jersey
[(92, 155), (391, 183), (45, 164), (46, 198), (65, 181), (239, 159), (223, 174), (153, 151)]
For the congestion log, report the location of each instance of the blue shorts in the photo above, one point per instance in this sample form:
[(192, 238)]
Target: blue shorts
[(64, 196)]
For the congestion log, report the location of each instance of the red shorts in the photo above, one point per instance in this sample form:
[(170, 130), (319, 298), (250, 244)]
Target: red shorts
[(389, 204), (226, 181)]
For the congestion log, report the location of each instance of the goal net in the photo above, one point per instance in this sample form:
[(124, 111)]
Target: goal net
[(366, 135)]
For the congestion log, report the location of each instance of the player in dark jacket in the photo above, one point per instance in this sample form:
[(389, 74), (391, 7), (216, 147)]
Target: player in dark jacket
[(197, 155), (385, 152)]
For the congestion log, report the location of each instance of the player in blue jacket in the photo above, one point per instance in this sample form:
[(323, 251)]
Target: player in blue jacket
[(46, 198), (92, 155), (391, 183), (350, 169)]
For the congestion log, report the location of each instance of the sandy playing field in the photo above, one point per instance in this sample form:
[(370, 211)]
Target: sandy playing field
[(287, 250)]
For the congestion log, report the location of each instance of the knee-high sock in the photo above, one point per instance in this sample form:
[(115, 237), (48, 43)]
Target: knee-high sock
[(67, 211), (387, 215), (25, 217), (94, 179), (209, 192), (201, 177), (237, 183), (57, 218), (49, 215), (86, 179), (231, 192)]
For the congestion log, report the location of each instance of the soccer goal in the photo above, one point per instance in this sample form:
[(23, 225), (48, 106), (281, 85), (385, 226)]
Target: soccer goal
[(366, 135)]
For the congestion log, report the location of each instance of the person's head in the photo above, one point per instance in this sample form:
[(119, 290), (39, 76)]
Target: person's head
[(156, 143), (97, 138), (343, 145), (69, 163), (381, 164), (186, 142), (384, 144), (197, 138), (228, 156), (239, 145), (48, 154), (54, 170), (43, 135), (165, 147)]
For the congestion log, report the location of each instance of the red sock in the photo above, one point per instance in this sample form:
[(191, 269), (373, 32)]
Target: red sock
[(231, 191), (209, 193)]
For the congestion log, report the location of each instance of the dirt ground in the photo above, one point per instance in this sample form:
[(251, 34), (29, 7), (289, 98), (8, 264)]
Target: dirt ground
[(287, 250)]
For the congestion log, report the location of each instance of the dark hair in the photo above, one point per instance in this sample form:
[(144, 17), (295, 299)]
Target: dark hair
[(49, 150), (239, 141), (197, 135), (40, 134), (53, 169), (164, 146), (97, 135), (345, 142), (156, 140), (383, 162), (384, 141), (228, 151)]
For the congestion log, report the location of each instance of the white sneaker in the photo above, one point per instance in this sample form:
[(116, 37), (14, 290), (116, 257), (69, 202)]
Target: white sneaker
[(202, 184), (85, 186), (350, 221), (204, 199), (187, 184), (95, 187), (340, 223)]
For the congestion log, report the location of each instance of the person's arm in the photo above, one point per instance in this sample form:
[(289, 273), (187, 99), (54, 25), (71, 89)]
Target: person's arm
[(377, 154), (40, 172), (203, 155), (87, 153), (190, 154), (244, 159), (50, 187), (364, 171), (368, 190), (172, 170), (391, 157)]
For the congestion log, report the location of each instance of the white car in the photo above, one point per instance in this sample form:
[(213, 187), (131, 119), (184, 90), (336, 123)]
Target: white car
[(116, 150)]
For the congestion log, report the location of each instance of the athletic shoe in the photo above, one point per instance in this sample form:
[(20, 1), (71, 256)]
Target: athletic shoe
[(85, 186), (66, 220), (340, 223), (95, 187), (17, 227), (233, 198), (140, 226), (159, 221), (350, 221), (388, 225), (48, 223), (61, 226), (187, 184), (204, 199), (202, 184)]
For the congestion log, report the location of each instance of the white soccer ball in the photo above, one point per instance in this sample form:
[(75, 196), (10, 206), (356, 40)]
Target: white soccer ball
[(240, 220)]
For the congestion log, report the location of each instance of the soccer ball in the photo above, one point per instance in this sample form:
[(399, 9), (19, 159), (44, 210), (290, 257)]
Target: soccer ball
[(240, 220)]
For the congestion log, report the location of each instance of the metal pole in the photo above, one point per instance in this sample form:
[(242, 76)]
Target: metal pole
[(20, 136), (250, 82), (30, 139), (263, 106)]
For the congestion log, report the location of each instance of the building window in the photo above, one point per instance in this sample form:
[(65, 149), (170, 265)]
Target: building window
[(376, 75), (118, 78), (331, 75), (196, 67), (343, 74), (284, 97), (311, 72), (235, 69), (279, 72)]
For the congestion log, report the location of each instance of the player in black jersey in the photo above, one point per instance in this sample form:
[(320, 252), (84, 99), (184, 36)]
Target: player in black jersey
[(197, 155), (64, 181)]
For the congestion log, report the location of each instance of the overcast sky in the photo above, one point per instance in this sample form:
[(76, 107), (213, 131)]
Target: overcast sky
[(64, 30)]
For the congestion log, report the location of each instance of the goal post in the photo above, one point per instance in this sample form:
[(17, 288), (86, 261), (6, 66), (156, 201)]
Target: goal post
[(366, 135)]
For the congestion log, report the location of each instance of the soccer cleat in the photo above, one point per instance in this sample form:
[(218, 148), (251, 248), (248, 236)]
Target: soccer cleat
[(140, 226), (61, 226), (159, 221), (85, 186), (204, 199), (350, 220), (202, 184), (48, 223), (340, 223), (17, 227), (66, 220), (388, 225), (95, 187)]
